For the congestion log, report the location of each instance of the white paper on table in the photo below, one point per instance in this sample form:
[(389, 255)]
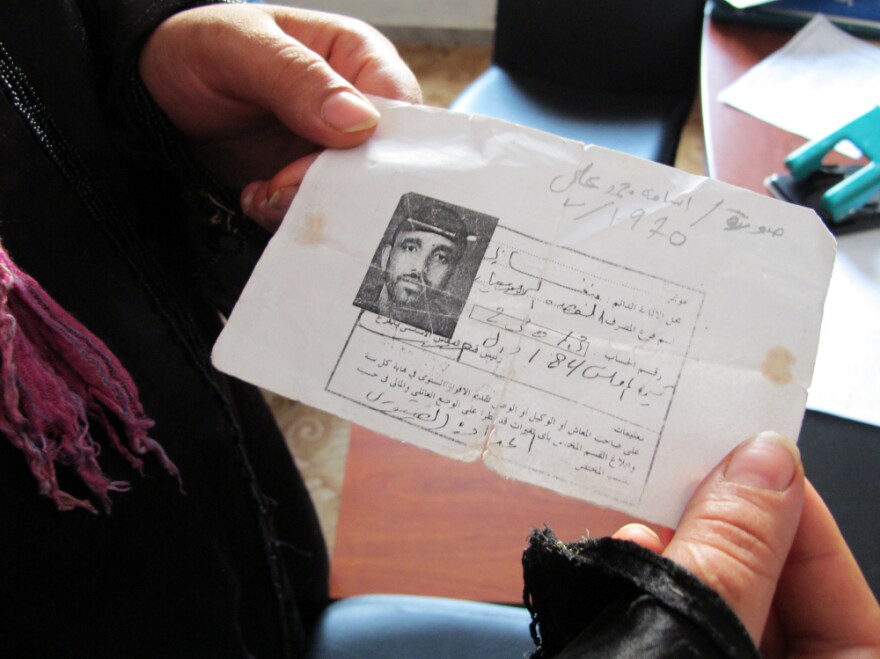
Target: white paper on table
[(846, 381), (819, 81), (745, 4), (623, 324)]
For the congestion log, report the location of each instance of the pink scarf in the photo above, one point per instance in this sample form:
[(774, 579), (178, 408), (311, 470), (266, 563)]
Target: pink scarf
[(56, 379)]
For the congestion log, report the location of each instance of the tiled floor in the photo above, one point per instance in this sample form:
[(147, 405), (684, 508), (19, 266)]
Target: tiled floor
[(319, 441)]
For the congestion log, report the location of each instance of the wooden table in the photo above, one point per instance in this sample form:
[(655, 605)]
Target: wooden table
[(413, 522), (741, 149)]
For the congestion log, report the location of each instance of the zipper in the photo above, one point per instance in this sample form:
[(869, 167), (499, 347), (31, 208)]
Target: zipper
[(129, 246)]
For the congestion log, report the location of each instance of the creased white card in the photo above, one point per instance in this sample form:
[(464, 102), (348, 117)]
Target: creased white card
[(578, 318)]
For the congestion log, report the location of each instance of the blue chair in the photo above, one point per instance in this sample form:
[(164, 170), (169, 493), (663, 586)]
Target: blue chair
[(618, 73), (412, 627)]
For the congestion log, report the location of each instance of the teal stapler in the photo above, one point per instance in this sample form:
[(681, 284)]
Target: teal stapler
[(846, 197)]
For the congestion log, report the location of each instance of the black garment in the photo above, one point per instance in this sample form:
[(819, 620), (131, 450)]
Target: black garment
[(611, 599), (234, 565)]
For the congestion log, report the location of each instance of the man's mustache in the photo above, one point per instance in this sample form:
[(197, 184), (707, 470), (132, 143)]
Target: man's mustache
[(414, 278)]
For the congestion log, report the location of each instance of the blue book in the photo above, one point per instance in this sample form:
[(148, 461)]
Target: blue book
[(861, 17)]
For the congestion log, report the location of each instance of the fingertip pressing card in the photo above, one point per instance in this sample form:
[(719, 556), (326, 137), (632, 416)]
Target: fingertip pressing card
[(575, 317)]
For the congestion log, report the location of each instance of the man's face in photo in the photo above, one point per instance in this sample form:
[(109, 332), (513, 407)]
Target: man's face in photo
[(416, 262)]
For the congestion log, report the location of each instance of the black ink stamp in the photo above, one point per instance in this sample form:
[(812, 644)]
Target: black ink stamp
[(424, 268)]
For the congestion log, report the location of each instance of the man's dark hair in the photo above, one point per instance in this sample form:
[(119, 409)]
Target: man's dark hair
[(417, 212)]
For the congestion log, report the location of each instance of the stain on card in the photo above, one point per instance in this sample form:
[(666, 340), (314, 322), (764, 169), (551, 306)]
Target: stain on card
[(312, 230), (777, 365)]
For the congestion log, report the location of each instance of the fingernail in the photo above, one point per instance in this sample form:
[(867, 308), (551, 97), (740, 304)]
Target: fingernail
[(634, 531), (281, 200), (769, 461), (246, 203), (349, 113)]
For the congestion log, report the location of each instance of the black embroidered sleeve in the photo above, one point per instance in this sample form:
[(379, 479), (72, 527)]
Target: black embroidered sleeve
[(610, 598)]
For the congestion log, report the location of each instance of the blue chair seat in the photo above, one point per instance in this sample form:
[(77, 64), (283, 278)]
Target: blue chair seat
[(621, 74), (413, 627)]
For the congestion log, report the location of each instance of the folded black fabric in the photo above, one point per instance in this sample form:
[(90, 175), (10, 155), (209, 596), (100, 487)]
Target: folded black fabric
[(613, 598)]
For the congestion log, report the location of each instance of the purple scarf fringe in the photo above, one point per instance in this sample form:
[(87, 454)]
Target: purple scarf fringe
[(56, 379)]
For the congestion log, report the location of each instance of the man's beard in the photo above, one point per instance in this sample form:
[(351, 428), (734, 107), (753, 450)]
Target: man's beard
[(419, 305), (414, 302), (408, 292)]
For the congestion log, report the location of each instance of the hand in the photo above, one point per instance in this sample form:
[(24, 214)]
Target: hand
[(760, 535), (257, 90)]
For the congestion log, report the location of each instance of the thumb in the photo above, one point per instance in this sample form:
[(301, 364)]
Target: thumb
[(301, 86), (739, 526)]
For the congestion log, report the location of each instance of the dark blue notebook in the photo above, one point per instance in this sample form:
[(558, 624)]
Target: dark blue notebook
[(861, 17)]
